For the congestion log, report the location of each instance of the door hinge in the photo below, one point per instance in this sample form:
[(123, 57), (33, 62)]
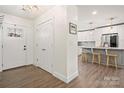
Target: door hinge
[(2, 27), (2, 65)]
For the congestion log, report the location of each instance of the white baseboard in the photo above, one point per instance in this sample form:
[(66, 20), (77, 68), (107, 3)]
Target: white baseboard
[(64, 78), (71, 77), (35, 64), (59, 76)]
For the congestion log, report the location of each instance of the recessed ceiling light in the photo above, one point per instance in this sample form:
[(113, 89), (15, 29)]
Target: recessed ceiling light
[(94, 12)]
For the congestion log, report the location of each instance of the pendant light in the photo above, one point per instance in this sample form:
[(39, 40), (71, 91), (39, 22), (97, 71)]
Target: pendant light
[(91, 25), (111, 20)]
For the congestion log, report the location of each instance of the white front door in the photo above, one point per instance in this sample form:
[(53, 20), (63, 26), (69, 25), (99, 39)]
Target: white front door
[(45, 45), (13, 46)]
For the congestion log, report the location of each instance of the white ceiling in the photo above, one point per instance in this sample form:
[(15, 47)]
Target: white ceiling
[(102, 16), (84, 13), (17, 11)]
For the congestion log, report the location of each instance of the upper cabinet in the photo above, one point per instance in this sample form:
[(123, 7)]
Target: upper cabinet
[(85, 36)]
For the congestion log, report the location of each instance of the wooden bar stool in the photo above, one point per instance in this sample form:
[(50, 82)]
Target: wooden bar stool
[(111, 56), (98, 56)]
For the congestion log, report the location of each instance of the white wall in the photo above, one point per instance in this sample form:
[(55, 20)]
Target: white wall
[(72, 50), (10, 19), (63, 42)]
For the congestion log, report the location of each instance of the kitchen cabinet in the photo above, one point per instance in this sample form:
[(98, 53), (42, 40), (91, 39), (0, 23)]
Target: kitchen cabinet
[(85, 36)]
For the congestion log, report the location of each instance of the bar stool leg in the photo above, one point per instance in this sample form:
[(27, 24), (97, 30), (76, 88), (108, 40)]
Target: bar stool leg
[(107, 60), (86, 59), (99, 59), (116, 62), (82, 57), (93, 58)]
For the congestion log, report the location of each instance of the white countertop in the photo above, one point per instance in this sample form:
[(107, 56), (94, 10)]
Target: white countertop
[(103, 48)]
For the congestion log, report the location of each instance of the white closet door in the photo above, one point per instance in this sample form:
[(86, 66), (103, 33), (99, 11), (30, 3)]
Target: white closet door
[(45, 45), (13, 46)]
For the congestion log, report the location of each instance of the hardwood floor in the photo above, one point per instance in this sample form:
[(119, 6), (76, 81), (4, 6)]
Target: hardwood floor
[(90, 75)]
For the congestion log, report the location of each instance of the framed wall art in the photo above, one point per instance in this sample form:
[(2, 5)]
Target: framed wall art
[(15, 32)]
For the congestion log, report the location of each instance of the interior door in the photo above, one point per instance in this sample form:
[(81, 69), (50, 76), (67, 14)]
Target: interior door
[(45, 45), (14, 47)]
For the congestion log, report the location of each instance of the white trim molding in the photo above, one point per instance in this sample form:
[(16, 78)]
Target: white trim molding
[(64, 78), (72, 77), (59, 76)]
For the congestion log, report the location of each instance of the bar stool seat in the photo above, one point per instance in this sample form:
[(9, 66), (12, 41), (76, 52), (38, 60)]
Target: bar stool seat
[(98, 55), (115, 59), (111, 55)]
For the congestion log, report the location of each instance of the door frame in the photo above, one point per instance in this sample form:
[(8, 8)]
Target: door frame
[(53, 43), (2, 40)]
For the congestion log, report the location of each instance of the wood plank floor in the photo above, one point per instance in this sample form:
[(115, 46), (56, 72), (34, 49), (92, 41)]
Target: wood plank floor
[(90, 75)]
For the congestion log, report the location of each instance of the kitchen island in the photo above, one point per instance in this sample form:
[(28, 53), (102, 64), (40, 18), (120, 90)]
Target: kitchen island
[(103, 51)]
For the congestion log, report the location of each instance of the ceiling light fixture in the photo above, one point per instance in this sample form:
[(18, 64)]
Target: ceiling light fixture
[(94, 12), (30, 8)]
